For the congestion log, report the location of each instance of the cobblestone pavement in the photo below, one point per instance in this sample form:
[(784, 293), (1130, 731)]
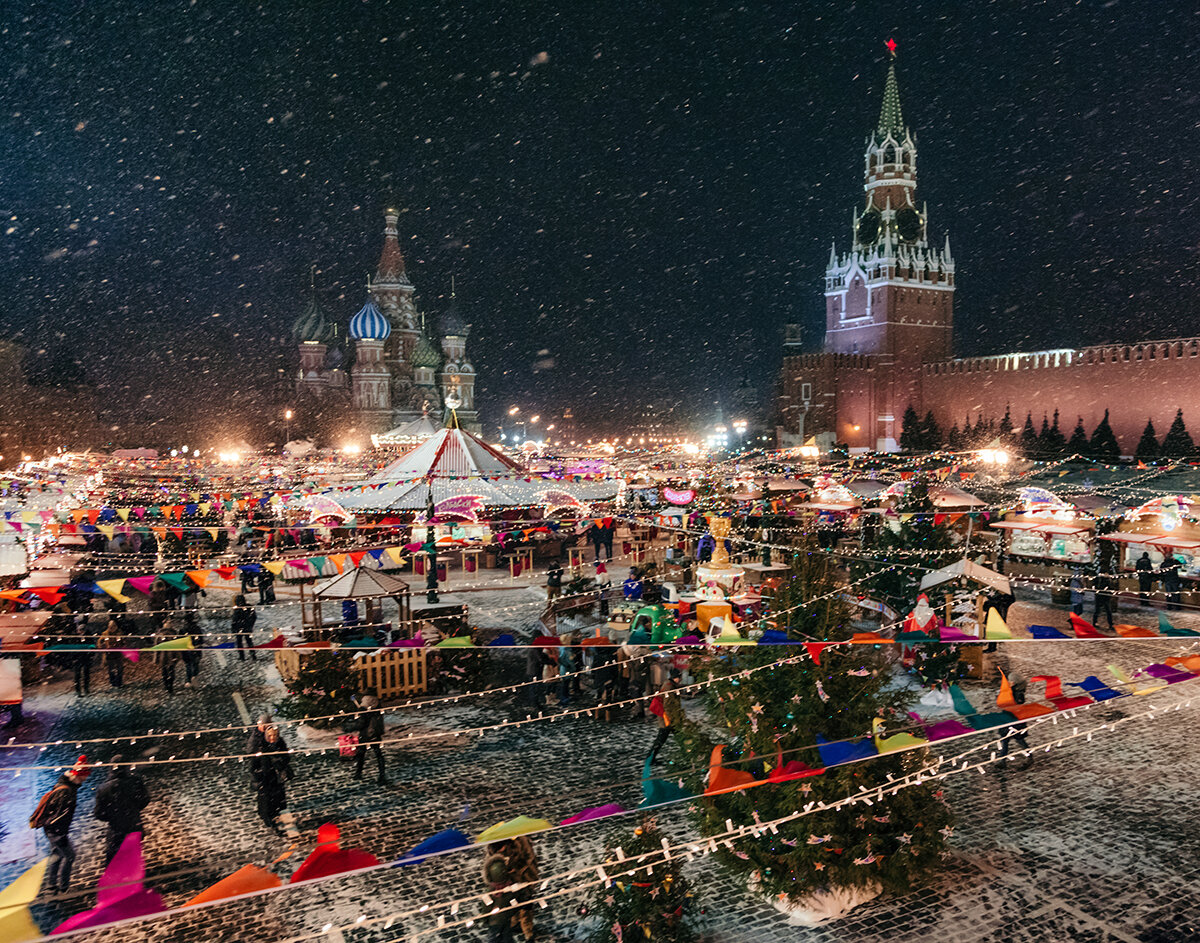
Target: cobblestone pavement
[(1094, 841)]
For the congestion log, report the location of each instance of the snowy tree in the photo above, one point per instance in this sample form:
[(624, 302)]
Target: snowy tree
[(931, 433), (1147, 446), (1079, 440), (1177, 442), (911, 439), (1104, 443), (1029, 438)]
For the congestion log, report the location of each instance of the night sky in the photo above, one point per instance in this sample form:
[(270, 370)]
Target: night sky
[(644, 192)]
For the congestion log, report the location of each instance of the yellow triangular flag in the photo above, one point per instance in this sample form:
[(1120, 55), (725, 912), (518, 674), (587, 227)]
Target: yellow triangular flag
[(204, 508), (173, 645), (16, 922), (213, 531), (275, 566), (123, 513), (996, 626), (898, 741), (113, 588), (106, 529), (394, 553)]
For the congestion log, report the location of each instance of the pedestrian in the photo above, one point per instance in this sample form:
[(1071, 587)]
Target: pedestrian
[(554, 578), (111, 641), (270, 769), (1104, 599), (257, 741), (632, 682), (53, 815), (567, 666), (81, 661), (521, 871), (192, 656), (1172, 583), (241, 623), (605, 675), (369, 726), (266, 587), (1075, 585), (498, 879), (549, 657), (119, 804), (167, 658), (632, 587), (249, 578), (665, 706), (532, 693), (1145, 577)]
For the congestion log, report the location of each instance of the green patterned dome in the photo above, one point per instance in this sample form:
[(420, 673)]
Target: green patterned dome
[(312, 325), (425, 354)]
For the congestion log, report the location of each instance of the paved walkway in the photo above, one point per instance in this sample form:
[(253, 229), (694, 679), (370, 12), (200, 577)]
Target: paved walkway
[(1092, 842)]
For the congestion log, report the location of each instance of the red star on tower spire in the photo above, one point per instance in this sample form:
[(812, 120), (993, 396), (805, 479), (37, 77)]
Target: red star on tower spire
[(891, 45)]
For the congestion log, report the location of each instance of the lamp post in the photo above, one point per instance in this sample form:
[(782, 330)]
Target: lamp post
[(430, 548), (287, 426)]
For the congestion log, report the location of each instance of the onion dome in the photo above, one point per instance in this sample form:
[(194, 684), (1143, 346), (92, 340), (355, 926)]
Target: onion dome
[(424, 353), (312, 326), (452, 321), (370, 324)]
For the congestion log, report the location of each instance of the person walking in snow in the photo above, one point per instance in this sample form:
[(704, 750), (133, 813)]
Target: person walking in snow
[(119, 804)]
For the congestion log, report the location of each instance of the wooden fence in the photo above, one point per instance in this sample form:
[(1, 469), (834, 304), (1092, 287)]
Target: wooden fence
[(388, 673)]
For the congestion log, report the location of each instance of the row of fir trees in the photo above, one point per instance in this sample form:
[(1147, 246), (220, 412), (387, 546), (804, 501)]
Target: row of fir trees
[(925, 435)]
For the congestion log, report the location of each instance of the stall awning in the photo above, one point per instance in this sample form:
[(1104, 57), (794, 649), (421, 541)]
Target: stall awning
[(1015, 525), (820, 506), (1059, 527), (1128, 538), (1179, 543)]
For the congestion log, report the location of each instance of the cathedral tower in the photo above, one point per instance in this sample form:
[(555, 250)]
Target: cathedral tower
[(372, 399)]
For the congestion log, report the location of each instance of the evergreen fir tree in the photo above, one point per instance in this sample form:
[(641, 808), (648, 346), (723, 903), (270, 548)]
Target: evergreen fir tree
[(1177, 442), (1147, 447), (1029, 439), (967, 439), (1043, 439), (931, 433), (910, 431), (1079, 440), (770, 718), (1104, 442), (325, 684), (1056, 442), (954, 439), (937, 665), (652, 904), (1007, 433)]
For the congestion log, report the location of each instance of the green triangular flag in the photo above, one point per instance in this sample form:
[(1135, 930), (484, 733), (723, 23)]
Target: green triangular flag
[(317, 563), (178, 580), (1165, 627)]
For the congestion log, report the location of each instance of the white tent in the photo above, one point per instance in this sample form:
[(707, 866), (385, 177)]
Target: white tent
[(972, 571), (408, 433)]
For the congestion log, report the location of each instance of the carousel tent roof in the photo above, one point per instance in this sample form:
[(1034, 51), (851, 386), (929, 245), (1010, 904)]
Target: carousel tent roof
[(947, 496), (455, 463), (359, 583), (420, 428)]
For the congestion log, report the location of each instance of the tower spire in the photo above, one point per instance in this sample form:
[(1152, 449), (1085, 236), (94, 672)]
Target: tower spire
[(891, 121)]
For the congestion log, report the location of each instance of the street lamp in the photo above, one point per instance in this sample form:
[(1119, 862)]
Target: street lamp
[(287, 426)]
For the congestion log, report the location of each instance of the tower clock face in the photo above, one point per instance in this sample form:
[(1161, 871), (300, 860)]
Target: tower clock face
[(868, 228), (908, 224)]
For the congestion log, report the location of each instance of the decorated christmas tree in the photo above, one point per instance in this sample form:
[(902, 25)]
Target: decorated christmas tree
[(763, 756), (654, 903), (324, 685), (913, 540)]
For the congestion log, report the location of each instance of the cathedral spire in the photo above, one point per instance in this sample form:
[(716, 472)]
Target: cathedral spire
[(391, 259)]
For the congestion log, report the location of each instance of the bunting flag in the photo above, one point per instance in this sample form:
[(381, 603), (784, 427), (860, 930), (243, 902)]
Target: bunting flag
[(173, 645), (141, 583), (178, 580), (275, 566), (121, 892), (200, 577), (317, 563), (16, 921), (123, 513), (47, 595), (394, 553), (245, 880), (356, 557), (338, 560), (996, 627), (113, 588)]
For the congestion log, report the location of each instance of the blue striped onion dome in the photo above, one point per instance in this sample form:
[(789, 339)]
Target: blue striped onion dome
[(370, 324)]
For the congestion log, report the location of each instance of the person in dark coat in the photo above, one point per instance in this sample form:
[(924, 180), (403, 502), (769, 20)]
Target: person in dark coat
[(119, 804), (1104, 599), (369, 727), (191, 657), (554, 580), (241, 623), (257, 742), (1172, 582), (54, 815), (1145, 577), (270, 770), (266, 587), (249, 579)]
